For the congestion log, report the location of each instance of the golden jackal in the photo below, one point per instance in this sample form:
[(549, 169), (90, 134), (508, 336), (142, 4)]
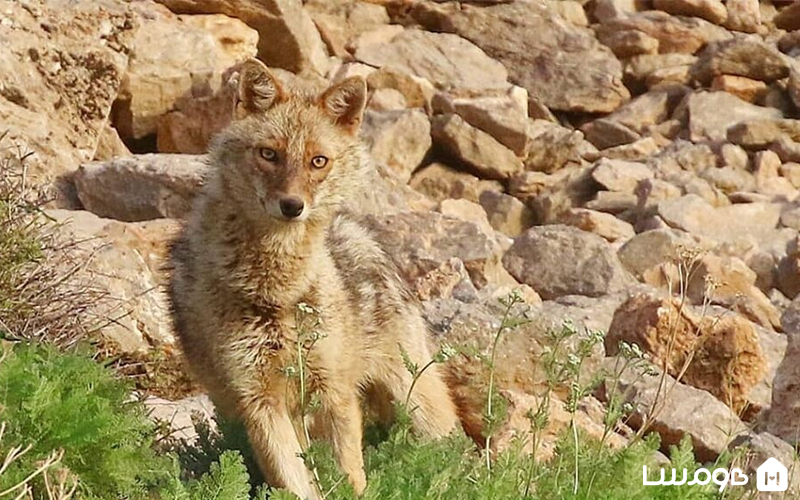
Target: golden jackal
[(266, 234)]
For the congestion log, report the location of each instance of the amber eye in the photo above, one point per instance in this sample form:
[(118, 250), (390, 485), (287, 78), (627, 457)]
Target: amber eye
[(268, 154), (319, 161)]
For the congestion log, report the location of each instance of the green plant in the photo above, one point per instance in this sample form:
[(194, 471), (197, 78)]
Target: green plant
[(508, 322), (71, 425), (64, 402)]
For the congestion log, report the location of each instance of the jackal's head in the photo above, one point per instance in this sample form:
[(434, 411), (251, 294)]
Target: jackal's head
[(294, 155)]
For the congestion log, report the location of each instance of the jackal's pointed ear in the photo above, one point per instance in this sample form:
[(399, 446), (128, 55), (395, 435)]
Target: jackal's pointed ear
[(259, 90), (345, 101)]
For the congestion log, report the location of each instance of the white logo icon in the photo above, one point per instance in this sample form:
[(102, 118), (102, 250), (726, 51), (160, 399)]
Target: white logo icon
[(772, 476)]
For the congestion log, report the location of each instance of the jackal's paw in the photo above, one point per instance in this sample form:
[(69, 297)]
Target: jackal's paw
[(359, 482)]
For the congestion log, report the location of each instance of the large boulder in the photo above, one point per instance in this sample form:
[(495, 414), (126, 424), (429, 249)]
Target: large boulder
[(675, 410), (60, 68), (138, 188), (761, 133), (439, 182), (685, 35), (720, 355), (711, 114), (175, 57), (475, 148), (561, 260), (784, 414), (422, 242), (398, 139), (725, 224), (504, 117), (448, 61), (123, 263), (287, 37), (541, 51), (749, 57)]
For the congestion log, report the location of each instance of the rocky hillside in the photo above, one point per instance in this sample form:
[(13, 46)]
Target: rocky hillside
[(632, 165)]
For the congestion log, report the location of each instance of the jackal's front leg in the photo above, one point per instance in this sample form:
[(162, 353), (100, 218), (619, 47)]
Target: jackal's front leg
[(278, 451), (342, 414)]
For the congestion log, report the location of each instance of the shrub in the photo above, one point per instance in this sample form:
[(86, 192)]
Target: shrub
[(40, 299), (55, 401), (102, 438)]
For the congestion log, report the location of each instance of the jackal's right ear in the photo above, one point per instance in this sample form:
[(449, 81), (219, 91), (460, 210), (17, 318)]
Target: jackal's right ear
[(259, 90)]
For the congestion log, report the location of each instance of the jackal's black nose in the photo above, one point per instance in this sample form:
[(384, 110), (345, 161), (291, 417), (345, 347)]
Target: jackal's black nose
[(291, 206)]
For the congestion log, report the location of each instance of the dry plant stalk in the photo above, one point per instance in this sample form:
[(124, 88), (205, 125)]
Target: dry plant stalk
[(40, 297), (62, 489)]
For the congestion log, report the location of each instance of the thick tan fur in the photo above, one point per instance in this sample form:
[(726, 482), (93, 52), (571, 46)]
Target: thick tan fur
[(240, 268)]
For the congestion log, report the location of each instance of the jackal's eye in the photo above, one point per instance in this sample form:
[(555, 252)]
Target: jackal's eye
[(268, 154), (319, 161)]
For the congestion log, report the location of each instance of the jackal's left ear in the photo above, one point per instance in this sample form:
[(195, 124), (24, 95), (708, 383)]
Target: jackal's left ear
[(345, 102), (259, 90)]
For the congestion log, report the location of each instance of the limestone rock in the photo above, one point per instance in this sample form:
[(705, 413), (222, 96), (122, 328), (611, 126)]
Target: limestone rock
[(173, 58), (468, 211), (784, 412), (110, 145), (439, 182), (761, 133), (417, 91), (179, 416), (684, 411), (560, 260), (648, 109), (712, 113), (710, 10), (588, 418), (124, 262), (341, 22), (720, 355), (287, 37), (691, 213), (606, 133), (641, 68), (749, 57), (506, 213), (630, 43), (685, 35), (57, 85), (444, 59), (398, 139), (542, 52), (605, 10), (550, 195), (553, 147), (788, 19), (502, 117), (139, 188), (619, 175), (602, 224), (742, 87), (194, 120), (651, 248), (743, 15), (726, 281), (421, 242), (477, 149)]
